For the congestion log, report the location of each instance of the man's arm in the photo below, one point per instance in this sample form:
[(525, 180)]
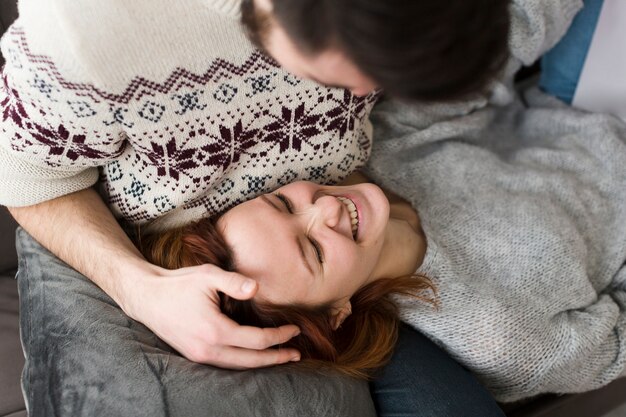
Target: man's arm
[(181, 306)]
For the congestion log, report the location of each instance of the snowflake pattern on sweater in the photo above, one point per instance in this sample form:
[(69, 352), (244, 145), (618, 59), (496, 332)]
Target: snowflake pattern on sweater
[(190, 146)]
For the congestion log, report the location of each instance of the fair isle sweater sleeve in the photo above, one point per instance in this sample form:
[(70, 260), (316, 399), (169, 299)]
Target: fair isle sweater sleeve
[(50, 141)]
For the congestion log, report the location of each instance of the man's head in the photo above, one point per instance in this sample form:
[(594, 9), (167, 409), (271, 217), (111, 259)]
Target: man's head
[(419, 49)]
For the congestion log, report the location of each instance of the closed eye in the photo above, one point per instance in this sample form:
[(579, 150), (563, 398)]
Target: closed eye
[(286, 202), (318, 251)]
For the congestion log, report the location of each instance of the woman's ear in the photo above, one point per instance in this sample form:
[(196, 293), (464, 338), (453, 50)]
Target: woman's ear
[(340, 314)]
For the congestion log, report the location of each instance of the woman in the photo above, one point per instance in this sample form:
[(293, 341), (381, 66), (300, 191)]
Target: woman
[(343, 249), (520, 228)]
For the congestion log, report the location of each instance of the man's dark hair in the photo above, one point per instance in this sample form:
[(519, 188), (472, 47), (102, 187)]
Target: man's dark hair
[(414, 49)]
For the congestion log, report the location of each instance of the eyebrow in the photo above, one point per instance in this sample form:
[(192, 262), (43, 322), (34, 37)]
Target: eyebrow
[(270, 202), (303, 256)]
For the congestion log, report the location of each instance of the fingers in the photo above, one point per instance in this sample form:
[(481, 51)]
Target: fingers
[(258, 338), (231, 283), (239, 358), (234, 284), (244, 347), (217, 339)]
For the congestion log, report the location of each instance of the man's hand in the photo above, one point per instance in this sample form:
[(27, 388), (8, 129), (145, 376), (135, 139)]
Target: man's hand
[(182, 308)]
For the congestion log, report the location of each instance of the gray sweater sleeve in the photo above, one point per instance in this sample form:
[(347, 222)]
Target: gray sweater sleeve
[(537, 25)]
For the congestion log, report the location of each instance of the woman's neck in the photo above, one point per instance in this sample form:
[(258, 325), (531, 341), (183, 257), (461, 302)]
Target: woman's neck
[(405, 244)]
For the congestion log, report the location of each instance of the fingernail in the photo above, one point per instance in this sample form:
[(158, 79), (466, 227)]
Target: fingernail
[(296, 333), (247, 286), (295, 358)]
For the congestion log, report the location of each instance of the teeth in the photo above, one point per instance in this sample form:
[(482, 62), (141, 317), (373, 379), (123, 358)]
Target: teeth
[(354, 216)]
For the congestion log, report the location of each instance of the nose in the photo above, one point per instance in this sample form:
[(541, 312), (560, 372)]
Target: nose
[(364, 89), (330, 210)]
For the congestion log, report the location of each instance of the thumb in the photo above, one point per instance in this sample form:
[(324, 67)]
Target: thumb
[(236, 285)]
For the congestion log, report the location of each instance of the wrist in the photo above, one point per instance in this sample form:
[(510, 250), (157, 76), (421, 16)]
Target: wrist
[(130, 288)]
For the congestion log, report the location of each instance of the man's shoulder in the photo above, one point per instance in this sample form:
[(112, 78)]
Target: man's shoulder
[(116, 41)]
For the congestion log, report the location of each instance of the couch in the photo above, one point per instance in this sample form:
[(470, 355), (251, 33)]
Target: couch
[(590, 404)]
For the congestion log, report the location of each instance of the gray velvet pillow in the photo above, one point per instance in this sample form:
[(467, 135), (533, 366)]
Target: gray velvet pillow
[(85, 357)]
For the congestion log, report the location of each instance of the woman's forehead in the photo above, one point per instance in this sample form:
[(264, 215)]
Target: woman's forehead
[(264, 247)]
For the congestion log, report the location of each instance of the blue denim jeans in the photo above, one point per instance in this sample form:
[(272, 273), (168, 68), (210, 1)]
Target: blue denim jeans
[(422, 380), (85, 357), (562, 66)]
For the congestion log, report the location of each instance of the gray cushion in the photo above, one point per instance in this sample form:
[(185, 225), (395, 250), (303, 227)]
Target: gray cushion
[(11, 357), (85, 357), (8, 258)]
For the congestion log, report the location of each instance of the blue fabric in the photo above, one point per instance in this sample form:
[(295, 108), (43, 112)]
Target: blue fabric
[(562, 65), (422, 380)]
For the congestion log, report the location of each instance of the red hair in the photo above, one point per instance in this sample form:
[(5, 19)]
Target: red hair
[(363, 343)]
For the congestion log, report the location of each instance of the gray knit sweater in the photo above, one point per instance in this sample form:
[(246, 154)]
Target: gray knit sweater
[(523, 204)]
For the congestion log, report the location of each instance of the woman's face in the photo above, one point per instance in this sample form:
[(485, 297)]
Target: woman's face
[(301, 244)]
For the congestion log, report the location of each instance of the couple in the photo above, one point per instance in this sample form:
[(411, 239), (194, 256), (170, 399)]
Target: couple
[(158, 112), (178, 140)]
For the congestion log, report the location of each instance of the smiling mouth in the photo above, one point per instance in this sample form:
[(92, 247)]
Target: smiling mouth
[(354, 214)]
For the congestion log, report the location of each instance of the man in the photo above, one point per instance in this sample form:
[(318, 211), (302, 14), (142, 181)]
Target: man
[(174, 114), (423, 50)]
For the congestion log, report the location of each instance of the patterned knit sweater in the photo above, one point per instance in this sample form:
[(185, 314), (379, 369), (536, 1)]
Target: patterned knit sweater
[(523, 204), (167, 104)]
